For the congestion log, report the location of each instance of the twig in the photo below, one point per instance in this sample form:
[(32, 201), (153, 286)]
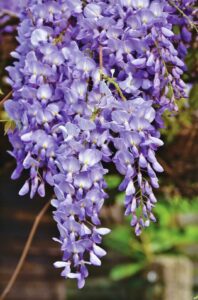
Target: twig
[(101, 57), (25, 251), (5, 98), (184, 15)]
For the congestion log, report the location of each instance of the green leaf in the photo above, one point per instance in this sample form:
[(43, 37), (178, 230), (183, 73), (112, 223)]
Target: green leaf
[(170, 93), (112, 181), (126, 270), (176, 29), (120, 239), (9, 126), (120, 198), (191, 234), (193, 96), (163, 213)]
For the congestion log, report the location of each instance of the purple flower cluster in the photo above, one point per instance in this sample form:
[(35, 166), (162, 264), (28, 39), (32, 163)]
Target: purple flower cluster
[(90, 85), (135, 158), (80, 196)]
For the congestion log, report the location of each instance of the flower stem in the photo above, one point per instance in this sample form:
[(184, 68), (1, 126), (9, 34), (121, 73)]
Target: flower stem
[(110, 80), (116, 85)]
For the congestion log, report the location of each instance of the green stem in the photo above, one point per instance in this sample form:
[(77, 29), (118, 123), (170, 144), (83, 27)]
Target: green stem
[(95, 114), (110, 80), (115, 84)]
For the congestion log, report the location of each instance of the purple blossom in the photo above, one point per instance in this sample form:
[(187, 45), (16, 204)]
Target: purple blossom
[(70, 105)]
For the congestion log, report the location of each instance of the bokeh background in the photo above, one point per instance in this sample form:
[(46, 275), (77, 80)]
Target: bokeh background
[(161, 264)]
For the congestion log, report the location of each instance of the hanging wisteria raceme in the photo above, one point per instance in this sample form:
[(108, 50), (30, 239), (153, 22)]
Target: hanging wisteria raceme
[(59, 135), (79, 188), (90, 84), (135, 44)]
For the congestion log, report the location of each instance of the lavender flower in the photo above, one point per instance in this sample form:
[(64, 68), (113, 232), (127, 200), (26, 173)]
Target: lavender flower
[(88, 76)]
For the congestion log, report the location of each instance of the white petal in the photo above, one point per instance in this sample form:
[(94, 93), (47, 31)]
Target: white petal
[(94, 259), (60, 264), (99, 251), (103, 231)]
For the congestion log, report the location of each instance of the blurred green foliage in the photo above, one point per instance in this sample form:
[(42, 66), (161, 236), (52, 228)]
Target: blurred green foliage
[(175, 230), (176, 121)]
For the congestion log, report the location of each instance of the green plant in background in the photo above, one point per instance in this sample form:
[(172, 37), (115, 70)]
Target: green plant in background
[(174, 123), (188, 112), (174, 232), (193, 97)]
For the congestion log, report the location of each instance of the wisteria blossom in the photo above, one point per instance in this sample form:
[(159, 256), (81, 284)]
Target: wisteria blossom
[(90, 83)]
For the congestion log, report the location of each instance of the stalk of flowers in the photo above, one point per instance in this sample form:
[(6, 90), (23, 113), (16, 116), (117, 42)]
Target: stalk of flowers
[(38, 97), (130, 54), (79, 184), (139, 51), (79, 189), (136, 144), (58, 133)]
